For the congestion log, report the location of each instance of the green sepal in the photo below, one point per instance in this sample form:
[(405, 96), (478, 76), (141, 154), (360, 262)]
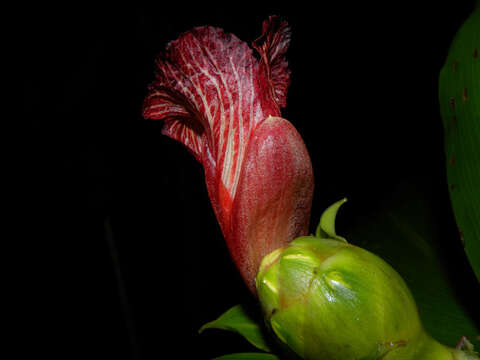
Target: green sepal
[(248, 356), (326, 226), (239, 320)]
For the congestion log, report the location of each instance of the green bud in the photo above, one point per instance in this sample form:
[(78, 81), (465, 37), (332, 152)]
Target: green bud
[(327, 299)]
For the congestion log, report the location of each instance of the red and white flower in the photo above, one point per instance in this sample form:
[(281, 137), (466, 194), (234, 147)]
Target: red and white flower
[(223, 104)]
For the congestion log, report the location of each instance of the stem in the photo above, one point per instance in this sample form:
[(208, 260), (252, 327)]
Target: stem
[(122, 292)]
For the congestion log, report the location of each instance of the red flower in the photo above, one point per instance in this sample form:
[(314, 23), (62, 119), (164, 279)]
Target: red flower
[(223, 104)]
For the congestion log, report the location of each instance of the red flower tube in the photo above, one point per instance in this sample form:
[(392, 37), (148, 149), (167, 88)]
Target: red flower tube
[(224, 104)]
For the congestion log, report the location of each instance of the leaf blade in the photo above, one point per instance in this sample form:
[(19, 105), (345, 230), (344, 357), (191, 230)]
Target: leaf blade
[(459, 97), (237, 319)]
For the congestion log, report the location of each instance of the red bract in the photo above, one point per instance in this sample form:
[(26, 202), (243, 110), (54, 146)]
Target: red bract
[(223, 104)]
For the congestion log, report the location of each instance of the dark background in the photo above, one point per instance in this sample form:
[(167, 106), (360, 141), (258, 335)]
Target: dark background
[(100, 186)]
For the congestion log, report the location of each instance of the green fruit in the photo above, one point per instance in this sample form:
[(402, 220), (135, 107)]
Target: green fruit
[(327, 300), (459, 96)]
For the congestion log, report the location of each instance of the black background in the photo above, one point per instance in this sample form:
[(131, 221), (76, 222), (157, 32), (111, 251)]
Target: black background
[(363, 95)]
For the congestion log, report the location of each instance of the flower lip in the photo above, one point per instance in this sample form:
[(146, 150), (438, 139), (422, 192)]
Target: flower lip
[(223, 104), (212, 93)]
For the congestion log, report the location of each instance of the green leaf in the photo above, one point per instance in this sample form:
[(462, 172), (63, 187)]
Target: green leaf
[(411, 234), (248, 356), (459, 96), (239, 320)]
